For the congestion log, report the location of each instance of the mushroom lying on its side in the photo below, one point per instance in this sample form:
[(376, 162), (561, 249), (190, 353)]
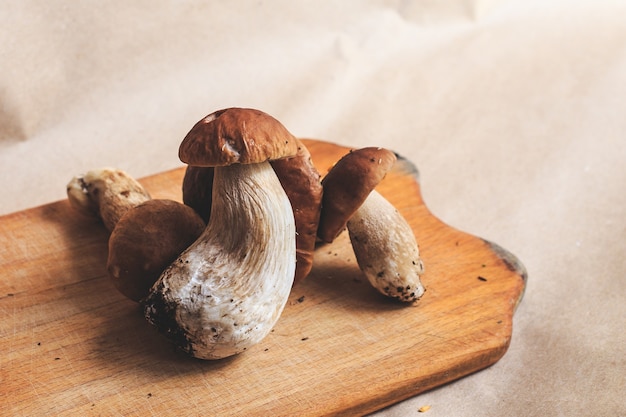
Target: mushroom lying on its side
[(106, 194), (146, 240), (386, 249), (383, 242), (146, 235), (227, 290)]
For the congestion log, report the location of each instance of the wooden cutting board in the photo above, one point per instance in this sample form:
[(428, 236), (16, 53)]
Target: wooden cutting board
[(71, 345)]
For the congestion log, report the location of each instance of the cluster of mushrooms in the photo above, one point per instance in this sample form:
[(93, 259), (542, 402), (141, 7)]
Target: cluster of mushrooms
[(221, 265)]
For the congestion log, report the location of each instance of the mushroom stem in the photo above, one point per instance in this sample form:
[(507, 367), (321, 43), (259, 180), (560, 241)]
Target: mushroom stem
[(386, 249), (106, 193), (228, 289)]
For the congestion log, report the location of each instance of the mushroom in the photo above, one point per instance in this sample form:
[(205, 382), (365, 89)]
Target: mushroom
[(383, 242), (227, 290), (105, 193), (146, 235), (301, 181), (197, 189), (146, 240)]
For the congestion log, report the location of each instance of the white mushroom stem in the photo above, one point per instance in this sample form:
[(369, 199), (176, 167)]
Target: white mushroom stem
[(386, 249), (227, 290), (106, 193)]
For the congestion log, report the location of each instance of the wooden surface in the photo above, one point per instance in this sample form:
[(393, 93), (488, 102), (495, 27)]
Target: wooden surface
[(71, 345)]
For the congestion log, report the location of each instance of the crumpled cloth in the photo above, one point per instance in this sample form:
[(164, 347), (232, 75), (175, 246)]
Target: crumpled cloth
[(512, 110)]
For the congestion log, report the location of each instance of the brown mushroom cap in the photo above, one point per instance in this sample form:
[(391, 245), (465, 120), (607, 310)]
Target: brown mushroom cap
[(236, 135), (198, 189), (348, 184), (146, 240), (301, 182)]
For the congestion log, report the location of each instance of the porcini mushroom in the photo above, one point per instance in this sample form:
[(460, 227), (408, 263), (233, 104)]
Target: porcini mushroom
[(302, 183), (227, 290), (383, 242), (146, 235), (146, 240), (105, 193), (198, 189)]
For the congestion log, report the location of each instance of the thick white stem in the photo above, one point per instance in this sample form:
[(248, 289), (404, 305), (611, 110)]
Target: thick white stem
[(226, 292), (386, 249)]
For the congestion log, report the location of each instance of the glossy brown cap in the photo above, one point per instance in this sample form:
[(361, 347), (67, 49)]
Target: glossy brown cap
[(236, 135), (347, 185), (198, 189), (146, 240), (302, 184)]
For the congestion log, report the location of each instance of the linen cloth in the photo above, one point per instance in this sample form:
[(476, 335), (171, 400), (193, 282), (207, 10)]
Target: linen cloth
[(513, 111)]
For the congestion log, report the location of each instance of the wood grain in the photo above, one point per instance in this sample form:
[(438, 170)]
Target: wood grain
[(72, 345)]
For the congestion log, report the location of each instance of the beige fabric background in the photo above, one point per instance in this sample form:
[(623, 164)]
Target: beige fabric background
[(514, 112)]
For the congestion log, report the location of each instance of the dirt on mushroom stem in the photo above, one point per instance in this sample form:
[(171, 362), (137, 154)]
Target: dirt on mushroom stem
[(386, 249), (383, 242), (105, 193), (226, 291)]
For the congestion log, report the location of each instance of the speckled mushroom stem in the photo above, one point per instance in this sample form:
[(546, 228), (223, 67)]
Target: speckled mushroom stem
[(105, 193), (386, 249), (227, 290)]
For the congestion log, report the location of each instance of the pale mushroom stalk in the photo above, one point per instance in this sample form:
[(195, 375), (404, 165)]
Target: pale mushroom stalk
[(105, 193), (386, 249), (227, 290)]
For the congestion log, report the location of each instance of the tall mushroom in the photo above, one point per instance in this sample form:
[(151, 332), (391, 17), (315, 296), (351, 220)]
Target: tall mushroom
[(383, 242), (301, 181), (227, 290), (146, 234)]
